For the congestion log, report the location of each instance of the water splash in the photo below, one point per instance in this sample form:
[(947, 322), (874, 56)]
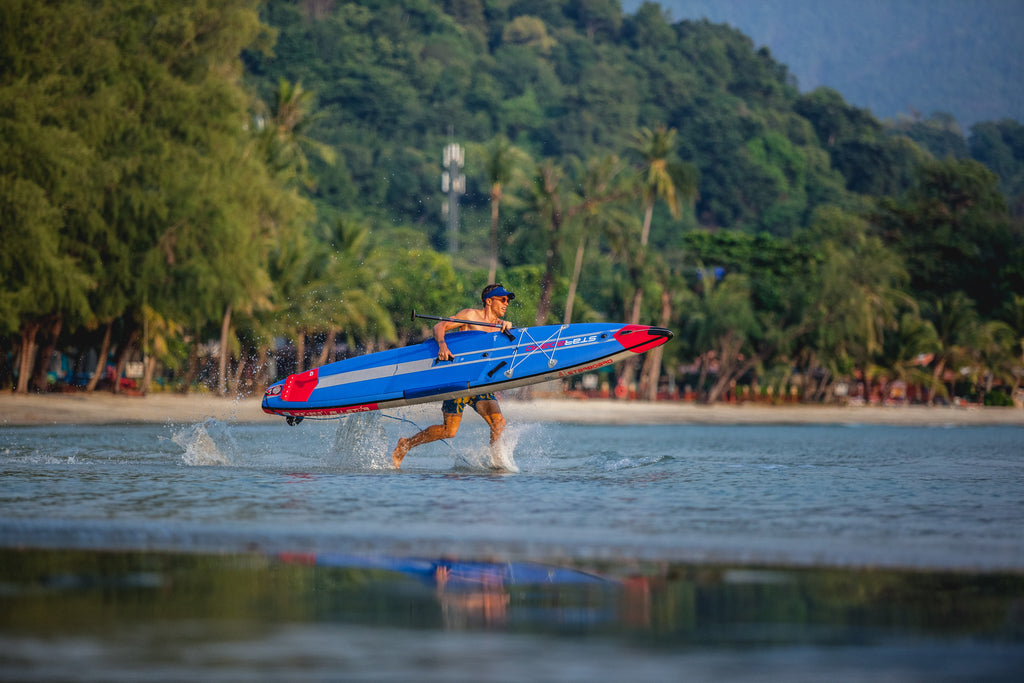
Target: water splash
[(501, 452), (497, 457), (361, 442), (206, 443)]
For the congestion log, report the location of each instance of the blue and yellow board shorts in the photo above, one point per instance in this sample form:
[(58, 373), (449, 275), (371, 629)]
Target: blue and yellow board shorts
[(455, 406)]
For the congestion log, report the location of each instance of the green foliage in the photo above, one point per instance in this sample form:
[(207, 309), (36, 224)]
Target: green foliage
[(137, 137), (36, 279), (557, 78), (998, 398), (939, 134), (174, 164), (953, 230), (1000, 146)]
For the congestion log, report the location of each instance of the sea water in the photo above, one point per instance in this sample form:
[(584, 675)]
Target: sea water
[(229, 551)]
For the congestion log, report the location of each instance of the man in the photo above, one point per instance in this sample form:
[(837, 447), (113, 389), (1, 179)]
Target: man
[(495, 300)]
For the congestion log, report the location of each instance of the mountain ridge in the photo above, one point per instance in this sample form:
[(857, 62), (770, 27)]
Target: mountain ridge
[(905, 58)]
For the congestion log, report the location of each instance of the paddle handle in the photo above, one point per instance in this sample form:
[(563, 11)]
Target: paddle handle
[(459, 320)]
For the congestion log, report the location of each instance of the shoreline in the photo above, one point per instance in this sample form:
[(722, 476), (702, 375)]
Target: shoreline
[(20, 410)]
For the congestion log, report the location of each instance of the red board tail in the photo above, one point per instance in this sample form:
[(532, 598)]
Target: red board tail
[(297, 388)]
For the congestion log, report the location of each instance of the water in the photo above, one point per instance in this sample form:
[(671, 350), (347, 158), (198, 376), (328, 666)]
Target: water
[(222, 551)]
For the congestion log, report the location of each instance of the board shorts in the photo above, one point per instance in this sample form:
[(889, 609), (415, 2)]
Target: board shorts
[(455, 406)]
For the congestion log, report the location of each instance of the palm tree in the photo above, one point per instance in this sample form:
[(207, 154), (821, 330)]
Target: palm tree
[(283, 133), (674, 295), (994, 356), (856, 295), (662, 178), (916, 340), (324, 288), (356, 293), (503, 163), (601, 184), (724, 325), (547, 203), (283, 141), (1015, 319), (956, 322)]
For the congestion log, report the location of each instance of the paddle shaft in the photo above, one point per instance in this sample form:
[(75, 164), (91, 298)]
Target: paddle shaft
[(459, 320)]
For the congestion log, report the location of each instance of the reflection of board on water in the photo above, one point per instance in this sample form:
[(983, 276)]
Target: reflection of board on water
[(484, 362), (454, 573)]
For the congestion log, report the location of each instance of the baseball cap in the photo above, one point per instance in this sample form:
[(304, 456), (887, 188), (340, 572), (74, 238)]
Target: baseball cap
[(499, 291)]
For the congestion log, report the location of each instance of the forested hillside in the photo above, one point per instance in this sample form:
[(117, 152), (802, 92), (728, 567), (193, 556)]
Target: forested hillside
[(175, 172), (893, 57)]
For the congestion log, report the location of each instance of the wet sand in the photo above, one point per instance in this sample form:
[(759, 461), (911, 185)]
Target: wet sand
[(105, 408)]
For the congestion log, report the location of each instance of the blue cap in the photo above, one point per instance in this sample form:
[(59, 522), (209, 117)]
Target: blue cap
[(499, 291)]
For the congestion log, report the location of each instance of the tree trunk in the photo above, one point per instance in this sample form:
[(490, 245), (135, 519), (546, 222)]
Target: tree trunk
[(27, 355), (261, 374), (193, 366), (101, 361), (492, 270), (147, 377), (122, 358), (42, 366), (867, 386), (727, 375), (652, 364), (641, 256), (636, 306), (325, 353), (300, 352), (702, 376), (551, 263), (936, 380), (577, 267), (822, 391), (729, 366), (645, 230), (726, 357), (238, 381), (629, 367), (222, 367)]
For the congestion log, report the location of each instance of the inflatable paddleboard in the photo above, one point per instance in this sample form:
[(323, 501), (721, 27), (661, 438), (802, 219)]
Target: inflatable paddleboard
[(484, 362)]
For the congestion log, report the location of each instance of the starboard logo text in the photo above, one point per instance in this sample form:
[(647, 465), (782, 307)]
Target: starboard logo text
[(327, 412), (573, 341), (586, 368)]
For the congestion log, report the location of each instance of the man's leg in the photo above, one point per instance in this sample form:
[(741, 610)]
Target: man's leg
[(433, 433), (491, 411)]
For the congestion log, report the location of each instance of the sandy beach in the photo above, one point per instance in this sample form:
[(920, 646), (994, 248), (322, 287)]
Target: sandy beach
[(104, 408)]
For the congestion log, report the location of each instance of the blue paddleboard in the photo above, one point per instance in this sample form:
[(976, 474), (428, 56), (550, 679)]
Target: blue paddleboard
[(484, 362)]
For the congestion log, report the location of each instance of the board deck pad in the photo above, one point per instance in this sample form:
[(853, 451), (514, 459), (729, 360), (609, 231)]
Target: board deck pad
[(484, 362)]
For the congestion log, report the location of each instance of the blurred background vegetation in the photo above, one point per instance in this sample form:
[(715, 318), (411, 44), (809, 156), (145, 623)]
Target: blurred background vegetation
[(208, 195)]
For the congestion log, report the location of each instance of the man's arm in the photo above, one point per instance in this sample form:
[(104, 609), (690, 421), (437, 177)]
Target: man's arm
[(442, 349), (446, 326)]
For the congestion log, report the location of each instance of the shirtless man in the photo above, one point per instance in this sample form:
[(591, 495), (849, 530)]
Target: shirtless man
[(495, 300)]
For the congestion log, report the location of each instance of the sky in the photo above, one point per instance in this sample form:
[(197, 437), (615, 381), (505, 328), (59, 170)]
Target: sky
[(894, 57)]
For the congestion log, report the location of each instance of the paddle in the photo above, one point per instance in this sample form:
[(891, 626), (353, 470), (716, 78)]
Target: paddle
[(459, 320)]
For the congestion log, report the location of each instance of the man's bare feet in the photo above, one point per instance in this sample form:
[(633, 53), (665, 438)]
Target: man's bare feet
[(400, 451)]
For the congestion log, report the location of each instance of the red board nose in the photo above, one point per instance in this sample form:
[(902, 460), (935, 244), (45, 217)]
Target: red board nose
[(298, 387), (642, 338)]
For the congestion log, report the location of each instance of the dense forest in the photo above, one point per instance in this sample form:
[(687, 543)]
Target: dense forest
[(208, 195), (893, 57)]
